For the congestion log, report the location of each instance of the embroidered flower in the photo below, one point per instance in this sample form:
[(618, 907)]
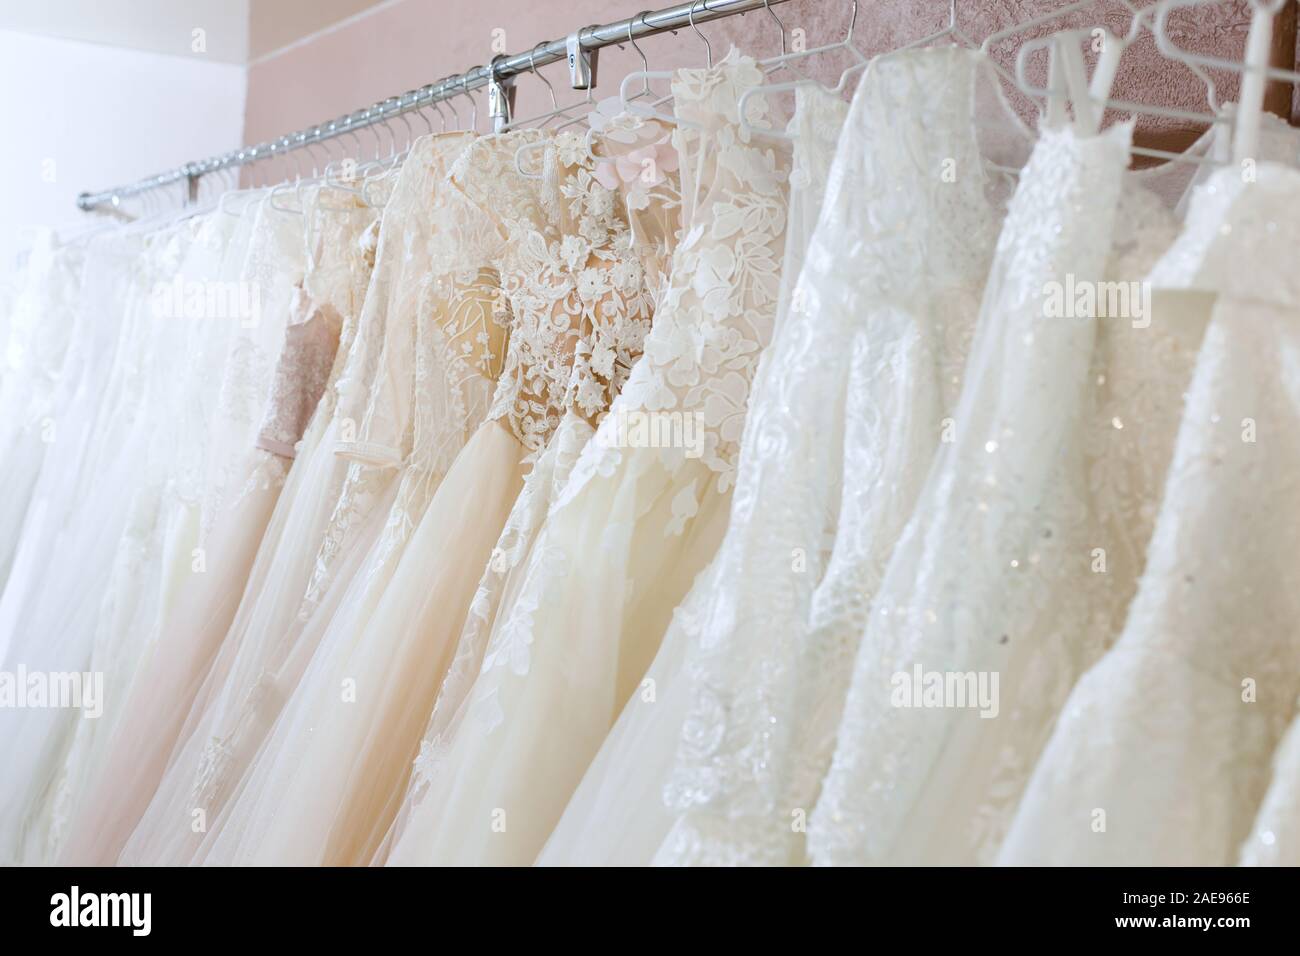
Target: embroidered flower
[(571, 149), (574, 251)]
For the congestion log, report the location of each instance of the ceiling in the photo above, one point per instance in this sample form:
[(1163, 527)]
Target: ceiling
[(234, 31)]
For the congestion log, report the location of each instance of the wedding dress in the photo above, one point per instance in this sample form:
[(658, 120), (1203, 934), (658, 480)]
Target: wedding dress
[(113, 279), (426, 279), (1275, 838), (566, 267), (155, 548), (633, 159), (734, 654), (55, 616), (639, 516), (1015, 569), (322, 323), (226, 333), (41, 329), (108, 498), (619, 793), (1161, 754)]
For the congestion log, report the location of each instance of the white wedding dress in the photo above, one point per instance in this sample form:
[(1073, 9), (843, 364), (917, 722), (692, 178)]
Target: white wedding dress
[(114, 278), (1015, 569), (1162, 753), (190, 459), (58, 604), (576, 289), (41, 327), (616, 815), (771, 675), (636, 520), (235, 495), (419, 369)]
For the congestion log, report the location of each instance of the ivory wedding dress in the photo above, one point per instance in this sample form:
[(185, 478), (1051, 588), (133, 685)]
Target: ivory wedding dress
[(637, 519), (114, 280), (743, 686), (1161, 755), (427, 318), (1025, 546), (219, 339), (633, 158), (237, 494), (57, 619), (42, 326), (566, 267), (620, 792)]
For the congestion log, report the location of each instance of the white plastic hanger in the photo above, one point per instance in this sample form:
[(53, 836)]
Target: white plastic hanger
[(1090, 109), (1254, 68), (629, 103), (860, 58)]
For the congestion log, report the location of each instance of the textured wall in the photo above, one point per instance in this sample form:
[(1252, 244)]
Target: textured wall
[(406, 44), (1145, 75)]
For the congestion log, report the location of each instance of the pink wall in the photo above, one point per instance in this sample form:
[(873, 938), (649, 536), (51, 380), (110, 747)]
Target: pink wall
[(407, 43)]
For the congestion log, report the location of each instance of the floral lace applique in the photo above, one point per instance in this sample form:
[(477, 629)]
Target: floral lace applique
[(573, 284), (375, 388), (717, 313), (606, 277)]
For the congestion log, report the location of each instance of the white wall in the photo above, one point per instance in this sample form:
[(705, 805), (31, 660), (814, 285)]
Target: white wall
[(163, 26), (81, 117)]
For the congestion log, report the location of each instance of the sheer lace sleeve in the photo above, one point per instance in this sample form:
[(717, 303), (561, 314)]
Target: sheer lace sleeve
[(310, 341), (376, 391)]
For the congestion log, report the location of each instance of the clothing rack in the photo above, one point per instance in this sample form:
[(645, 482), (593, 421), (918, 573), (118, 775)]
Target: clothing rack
[(497, 75)]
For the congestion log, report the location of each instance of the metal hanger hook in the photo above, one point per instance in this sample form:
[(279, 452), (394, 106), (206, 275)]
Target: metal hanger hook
[(708, 50), (767, 5), (464, 88), (532, 65)]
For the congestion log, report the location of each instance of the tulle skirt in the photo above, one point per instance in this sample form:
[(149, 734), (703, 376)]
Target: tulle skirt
[(22, 452), (131, 753), (617, 816), (257, 666), (53, 631), (324, 788), (595, 599)]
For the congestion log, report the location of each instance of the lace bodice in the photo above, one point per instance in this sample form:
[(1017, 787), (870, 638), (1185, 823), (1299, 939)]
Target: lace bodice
[(375, 386), (631, 229), (860, 374), (569, 275), (635, 156), (719, 309), (1007, 497), (417, 378)]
